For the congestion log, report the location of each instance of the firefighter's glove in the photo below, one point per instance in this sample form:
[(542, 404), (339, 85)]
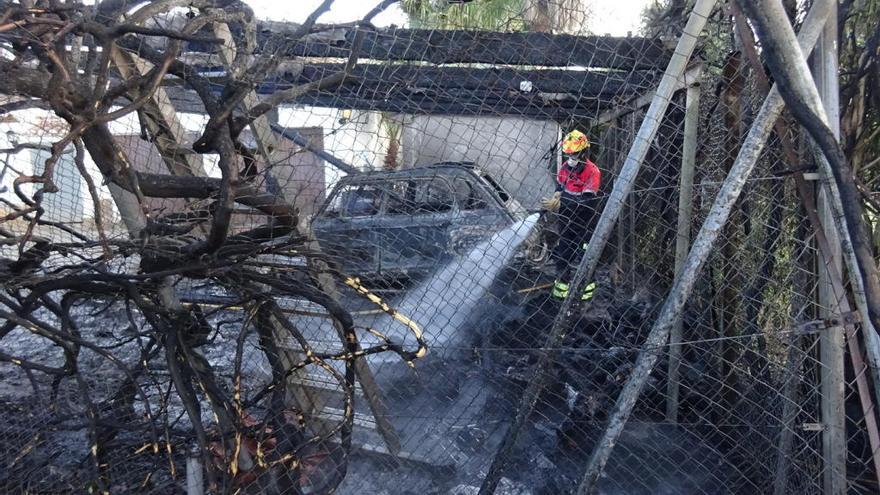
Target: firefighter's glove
[(552, 203)]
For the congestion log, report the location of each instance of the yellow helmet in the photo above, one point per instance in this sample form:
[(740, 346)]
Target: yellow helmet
[(575, 142)]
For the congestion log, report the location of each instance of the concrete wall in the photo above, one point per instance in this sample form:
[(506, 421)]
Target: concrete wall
[(302, 175), (511, 150)]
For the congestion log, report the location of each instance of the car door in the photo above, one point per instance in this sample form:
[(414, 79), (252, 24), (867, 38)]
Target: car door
[(414, 230), (345, 227), (478, 214)]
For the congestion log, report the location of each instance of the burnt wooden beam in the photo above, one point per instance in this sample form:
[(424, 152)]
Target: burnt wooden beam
[(405, 92), (581, 82), (455, 103), (476, 107), (551, 94), (452, 46)]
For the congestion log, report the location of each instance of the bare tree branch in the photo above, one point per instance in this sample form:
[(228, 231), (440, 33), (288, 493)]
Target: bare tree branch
[(67, 269)]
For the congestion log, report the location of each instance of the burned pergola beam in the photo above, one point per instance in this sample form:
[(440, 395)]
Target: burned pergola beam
[(455, 47), (513, 99), (477, 107), (461, 103), (591, 84), (548, 94)]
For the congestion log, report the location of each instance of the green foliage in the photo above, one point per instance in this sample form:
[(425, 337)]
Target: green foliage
[(490, 15), (664, 17), (859, 60), (667, 18)]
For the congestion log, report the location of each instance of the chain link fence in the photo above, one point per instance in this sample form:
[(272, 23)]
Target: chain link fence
[(246, 256)]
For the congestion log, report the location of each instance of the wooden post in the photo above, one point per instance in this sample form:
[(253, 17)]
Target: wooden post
[(195, 475), (729, 295), (831, 341), (791, 377), (699, 253), (163, 124), (792, 381), (683, 236), (267, 145), (162, 119), (633, 251), (618, 143)]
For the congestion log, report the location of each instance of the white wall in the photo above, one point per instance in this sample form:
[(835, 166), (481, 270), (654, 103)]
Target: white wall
[(359, 140), (72, 203), (511, 150)]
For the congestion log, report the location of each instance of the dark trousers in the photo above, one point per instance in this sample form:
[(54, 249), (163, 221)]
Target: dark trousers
[(575, 219)]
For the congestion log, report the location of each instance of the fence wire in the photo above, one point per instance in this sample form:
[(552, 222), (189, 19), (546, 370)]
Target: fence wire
[(254, 256)]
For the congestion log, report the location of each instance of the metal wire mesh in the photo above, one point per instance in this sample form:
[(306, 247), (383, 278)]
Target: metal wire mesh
[(263, 257)]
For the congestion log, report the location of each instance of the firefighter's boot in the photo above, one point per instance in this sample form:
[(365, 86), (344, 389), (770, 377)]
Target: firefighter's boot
[(560, 291)]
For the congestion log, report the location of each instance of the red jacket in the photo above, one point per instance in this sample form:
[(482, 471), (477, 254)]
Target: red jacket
[(578, 178)]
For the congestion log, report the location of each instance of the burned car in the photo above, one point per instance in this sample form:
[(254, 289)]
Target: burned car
[(403, 224)]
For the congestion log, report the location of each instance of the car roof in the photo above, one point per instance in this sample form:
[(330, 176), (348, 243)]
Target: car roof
[(440, 169), (426, 171)]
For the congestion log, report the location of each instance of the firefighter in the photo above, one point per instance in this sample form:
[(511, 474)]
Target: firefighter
[(575, 201)]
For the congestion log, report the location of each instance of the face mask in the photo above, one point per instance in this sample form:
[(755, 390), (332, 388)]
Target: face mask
[(574, 161)]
